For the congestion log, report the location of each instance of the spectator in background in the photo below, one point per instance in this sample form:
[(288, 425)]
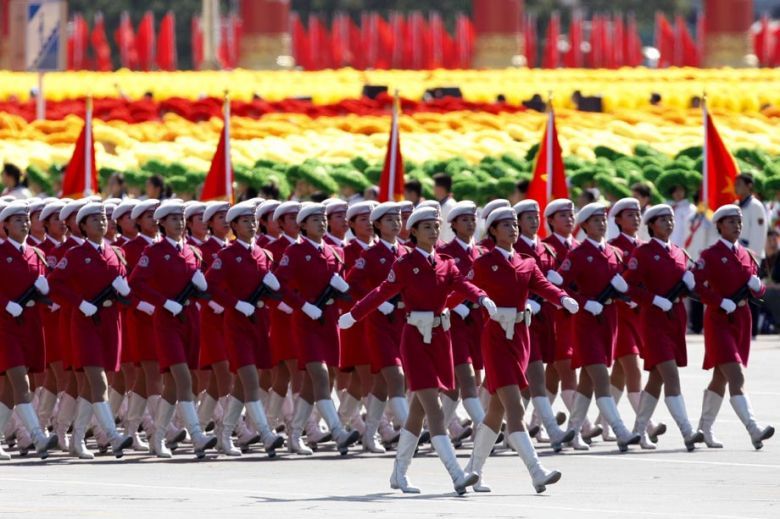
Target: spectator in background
[(521, 191), (371, 193), (442, 191), (769, 272), (116, 186), (413, 192), (754, 219), (13, 184), (683, 210), (641, 191), (156, 188), (270, 191)]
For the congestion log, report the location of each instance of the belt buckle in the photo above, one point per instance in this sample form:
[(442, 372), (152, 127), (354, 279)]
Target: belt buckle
[(29, 304), (329, 302), (260, 304), (401, 305), (186, 303), (743, 302), (107, 303)]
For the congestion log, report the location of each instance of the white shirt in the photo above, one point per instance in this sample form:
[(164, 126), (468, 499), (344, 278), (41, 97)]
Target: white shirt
[(18, 246), (291, 240), (464, 244), (220, 242), (55, 242), (682, 214), (96, 245), (632, 239), (247, 246), (177, 244), (601, 245), (730, 245), (508, 255), (754, 226), (196, 240), (531, 243), (426, 255), (664, 244), (148, 239), (36, 240), (78, 239), (335, 238), (390, 246), (446, 233), (316, 245), (568, 240), (362, 244)]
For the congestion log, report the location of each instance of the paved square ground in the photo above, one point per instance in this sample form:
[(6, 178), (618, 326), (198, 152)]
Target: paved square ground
[(734, 482)]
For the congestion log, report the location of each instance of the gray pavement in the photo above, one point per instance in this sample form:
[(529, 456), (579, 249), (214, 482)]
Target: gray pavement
[(734, 482)]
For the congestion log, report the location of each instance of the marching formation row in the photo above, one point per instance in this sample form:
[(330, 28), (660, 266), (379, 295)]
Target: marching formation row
[(121, 312)]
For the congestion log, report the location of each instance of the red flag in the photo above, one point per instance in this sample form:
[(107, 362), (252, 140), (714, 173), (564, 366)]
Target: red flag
[(633, 44), (573, 57), (300, 42), (144, 42), (664, 40), (339, 40), (464, 41), (228, 42), (437, 41), (763, 43), (197, 42), (596, 54), (719, 169), (80, 178), (319, 44), (549, 179), (125, 40), (529, 40), (391, 183), (357, 50), (550, 57), (776, 52), (398, 27), (78, 41), (685, 51), (166, 43), (384, 57), (618, 36), (219, 181), (100, 44)]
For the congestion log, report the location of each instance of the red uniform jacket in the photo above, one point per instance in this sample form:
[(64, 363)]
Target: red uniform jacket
[(282, 347), (62, 351), (720, 272), (564, 340), (212, 344), (137, 324), (629, 339), (353, 346)]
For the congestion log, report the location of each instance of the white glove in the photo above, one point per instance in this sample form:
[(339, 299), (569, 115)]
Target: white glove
[(15, 309), (42, 285), (312, 311), (285, 308), (216, 307), (143, 306), (462, 310), (54, 307), (554, 278), (662, 303), (533, 306), (619, 283), (689, 280), (245, 308), (728, 305), (199, 280), (87, 308), (271, 282), (346, 321), (570, 304), (338, 283), (632, 304), (488, 305), (173, 307), (594, 307), (754, 283), (121, 286), (386, 308)]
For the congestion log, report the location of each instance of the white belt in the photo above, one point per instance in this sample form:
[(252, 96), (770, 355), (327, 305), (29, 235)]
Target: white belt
[(425, 322), (508, 317)]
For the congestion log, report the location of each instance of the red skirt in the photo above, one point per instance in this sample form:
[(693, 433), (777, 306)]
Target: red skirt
[(354, 349), (66, 343), (505, 360), (564, 338), (282, 346), (246, 342), (51, 334), (212, 340), (138, 324), (594, 337), (177, 341), (629, 340), (96, 344), (465, 339), (542, 333), (427, 366), (21, 344), (316, 341), (127, 354), (384, 339), (668, 336), (726, 341)]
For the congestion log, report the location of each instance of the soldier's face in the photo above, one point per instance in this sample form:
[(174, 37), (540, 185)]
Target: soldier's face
[(288, 226), (628, 220), (315, 226), (245, 228), (218, 224), (55, 227), (465, 226), (505, 232), (730, 228), (17, 227), (596, 226), (95, 226), (362, 228), (562, 222), (197, 226), (36, 225), (126, 224), (389, 226), (71, 223), (426, 232), (663, 227), (147, 223), (529, 223), (173, 225), (338, 222)]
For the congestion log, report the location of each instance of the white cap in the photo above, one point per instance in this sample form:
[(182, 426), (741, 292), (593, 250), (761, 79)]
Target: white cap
[(170, 206), (406, 206), (88, 209), (143, 206), (113, 201), (308, 209), (7, 199), (623, 204), (109, 209), (655, 211), (268, 206), (213, 208), (461, 208), (14, 208), (726, 210), (334, 205), (493, 205), (51, 208), (364, 207), (502, 213), (36, 204), (126, 206), (421, 215), (286, 208), (429, 203), (256, 201), (590, 210), (241, 209), (73, 207), (382, 209), (559, 204), (192, 208), (525, 206)]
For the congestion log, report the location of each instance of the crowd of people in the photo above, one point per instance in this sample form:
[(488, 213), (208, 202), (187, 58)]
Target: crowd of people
[(144, 325)]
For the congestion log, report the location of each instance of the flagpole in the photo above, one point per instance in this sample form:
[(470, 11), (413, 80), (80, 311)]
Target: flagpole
[(88, 149), (228, 170), (391, 194), (705, 192), (549, 137)]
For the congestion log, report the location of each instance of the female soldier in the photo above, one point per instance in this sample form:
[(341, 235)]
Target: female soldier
[(268, 228), (726, 275), (125, 224), (168, 276), (654, 269), (425, 280)]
